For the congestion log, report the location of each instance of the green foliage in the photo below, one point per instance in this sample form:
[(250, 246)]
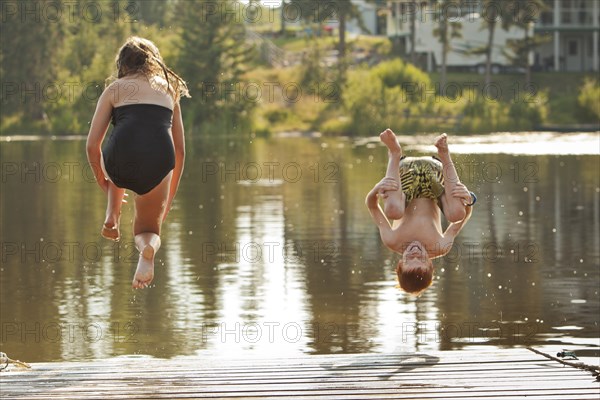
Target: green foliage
[(312, 70), (589, 97), (529, 111), (68, 62), (213, 58), (517, 50), (28, 61), (381, 97), (397, 73), (483, 114)]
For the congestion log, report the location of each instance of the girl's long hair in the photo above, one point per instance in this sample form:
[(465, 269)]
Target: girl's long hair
[(141, 56)]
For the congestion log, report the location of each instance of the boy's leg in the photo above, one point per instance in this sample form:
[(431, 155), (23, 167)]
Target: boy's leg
[(393, 203), (454, 209), (110, 229)]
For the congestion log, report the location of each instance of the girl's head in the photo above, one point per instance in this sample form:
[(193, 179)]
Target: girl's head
[(138, 56), (415, 269), (141, 56)]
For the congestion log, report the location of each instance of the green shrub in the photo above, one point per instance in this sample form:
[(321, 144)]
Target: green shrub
[(371, 105), (276, 115), (529, 111), (482, 114), (336, 126), (397, 73), (589, 97)]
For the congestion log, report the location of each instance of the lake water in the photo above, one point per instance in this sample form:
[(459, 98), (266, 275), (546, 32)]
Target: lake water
[(270, 249)]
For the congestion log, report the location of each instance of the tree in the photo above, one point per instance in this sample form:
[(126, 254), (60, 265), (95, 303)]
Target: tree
[(522, 13), (446, 31), (413, 34), (152, 11), (492, 10), (29, 42), (213, 59), (315, 11)]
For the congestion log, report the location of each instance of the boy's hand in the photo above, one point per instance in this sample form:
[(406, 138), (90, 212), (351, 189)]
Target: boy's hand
[(461, 192), (386, 185)]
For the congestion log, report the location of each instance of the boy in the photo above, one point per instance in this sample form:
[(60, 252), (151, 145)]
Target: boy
[(414, 191)]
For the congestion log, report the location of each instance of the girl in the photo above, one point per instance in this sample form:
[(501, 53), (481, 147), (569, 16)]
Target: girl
[(146, 150)]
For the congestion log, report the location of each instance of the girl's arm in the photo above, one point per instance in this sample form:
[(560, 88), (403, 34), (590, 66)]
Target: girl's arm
[(98, 129), (179, 144)]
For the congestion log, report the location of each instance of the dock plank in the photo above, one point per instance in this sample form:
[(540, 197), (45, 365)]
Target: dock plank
[(464, 374)]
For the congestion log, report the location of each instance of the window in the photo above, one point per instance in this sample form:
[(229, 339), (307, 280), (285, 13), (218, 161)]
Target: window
[(547, 18), (573, 47)]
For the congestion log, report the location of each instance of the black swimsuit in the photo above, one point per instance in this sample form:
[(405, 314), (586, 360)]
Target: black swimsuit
[(139, 153)]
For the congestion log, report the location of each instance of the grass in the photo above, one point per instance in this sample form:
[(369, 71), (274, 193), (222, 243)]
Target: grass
[(562, 87), (308, 114)]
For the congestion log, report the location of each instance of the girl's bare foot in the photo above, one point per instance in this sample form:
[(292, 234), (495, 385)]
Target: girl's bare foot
[(145, 268), (389, 139), (441, 142), (110, 229)]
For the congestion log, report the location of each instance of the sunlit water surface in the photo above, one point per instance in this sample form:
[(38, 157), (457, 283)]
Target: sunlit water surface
[(270, 250)]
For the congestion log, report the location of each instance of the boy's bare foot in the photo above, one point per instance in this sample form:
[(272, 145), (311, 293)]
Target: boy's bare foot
[(389, 139), (110, 229), (145, 268), (441, 142)]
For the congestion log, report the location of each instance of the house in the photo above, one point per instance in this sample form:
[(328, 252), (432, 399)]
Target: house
[(573, 27)]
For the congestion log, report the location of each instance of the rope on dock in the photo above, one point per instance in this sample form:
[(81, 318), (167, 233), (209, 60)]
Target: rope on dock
[(5, 361), (594, 369)]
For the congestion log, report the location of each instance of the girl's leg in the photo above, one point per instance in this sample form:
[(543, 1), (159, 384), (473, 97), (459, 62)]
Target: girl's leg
[(110, 229), (149, 211), (454, 209), (393, 204)]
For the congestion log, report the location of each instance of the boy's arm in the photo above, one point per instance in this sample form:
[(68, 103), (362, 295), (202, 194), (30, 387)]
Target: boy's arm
[(454, 229), (379, 218)]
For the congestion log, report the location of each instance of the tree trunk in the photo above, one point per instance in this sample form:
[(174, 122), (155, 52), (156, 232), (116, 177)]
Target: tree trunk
[(282, 29), (342, 43), (413, 34), (444, 62), (488, 53), (342, 35), (527, 65), (445, 47)]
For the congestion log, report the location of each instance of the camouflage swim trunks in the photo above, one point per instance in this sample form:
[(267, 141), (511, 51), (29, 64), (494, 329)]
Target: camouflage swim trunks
[(421, 177)]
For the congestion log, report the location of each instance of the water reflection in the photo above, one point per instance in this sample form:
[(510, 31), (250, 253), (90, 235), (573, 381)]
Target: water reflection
[(270, 249)]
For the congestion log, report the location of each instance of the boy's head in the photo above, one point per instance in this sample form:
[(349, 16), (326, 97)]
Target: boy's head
[(415, 269)]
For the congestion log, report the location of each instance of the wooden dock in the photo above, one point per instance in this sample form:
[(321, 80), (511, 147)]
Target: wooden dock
[(482, 374)]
